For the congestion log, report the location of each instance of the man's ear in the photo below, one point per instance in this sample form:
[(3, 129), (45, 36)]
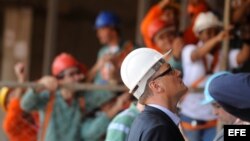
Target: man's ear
[(154, 86)]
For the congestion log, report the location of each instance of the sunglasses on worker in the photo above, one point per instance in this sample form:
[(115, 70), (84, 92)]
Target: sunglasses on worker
[(166, 72)]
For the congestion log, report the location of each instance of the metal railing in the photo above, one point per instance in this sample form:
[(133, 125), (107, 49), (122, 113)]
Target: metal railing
[(77, 86)]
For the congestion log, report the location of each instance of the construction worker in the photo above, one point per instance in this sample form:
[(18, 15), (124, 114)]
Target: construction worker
[(62, 109), (164, 35), (18, 124), (119, 127), (165, 10), (110, 56), (106, 69), (159, 29), (199, 61), (157, 86)]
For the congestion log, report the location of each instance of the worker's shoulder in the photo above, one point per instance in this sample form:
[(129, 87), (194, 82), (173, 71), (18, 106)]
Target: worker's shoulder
[(150, 118)]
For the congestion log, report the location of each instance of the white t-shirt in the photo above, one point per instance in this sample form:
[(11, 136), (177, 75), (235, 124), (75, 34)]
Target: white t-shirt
[(192, 71)]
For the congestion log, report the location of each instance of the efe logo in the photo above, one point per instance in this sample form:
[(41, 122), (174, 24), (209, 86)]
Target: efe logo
[(237, 132)]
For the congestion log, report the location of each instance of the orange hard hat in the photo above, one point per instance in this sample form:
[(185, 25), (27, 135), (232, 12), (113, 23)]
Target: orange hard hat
[(156, 26), (63, 62)]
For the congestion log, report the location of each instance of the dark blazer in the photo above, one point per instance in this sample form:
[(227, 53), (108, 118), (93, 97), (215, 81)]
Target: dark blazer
[(154, 125)]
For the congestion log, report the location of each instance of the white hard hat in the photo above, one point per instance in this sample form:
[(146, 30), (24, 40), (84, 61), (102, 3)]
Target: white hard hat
[(137, 68), (204, 21)]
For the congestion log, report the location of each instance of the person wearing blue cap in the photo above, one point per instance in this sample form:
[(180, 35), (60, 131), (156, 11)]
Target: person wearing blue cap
[(113, 51), (106, 71), (224, 117), (231, 91)]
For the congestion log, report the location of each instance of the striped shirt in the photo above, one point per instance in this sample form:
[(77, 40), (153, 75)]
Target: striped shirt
[(119, 127)]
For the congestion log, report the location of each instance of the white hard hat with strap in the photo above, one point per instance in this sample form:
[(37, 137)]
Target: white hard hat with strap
[(137, 68)]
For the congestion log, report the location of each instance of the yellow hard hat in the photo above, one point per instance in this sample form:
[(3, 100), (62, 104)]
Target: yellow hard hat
[(3, 97)]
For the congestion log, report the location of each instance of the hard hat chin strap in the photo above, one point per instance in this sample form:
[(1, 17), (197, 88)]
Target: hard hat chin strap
[(140, 87)]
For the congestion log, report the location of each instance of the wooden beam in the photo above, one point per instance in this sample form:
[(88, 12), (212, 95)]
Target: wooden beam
[(225, 44), (50, 35)]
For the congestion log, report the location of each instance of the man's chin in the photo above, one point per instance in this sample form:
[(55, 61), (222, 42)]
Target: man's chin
[(183, 91), (184, 87)]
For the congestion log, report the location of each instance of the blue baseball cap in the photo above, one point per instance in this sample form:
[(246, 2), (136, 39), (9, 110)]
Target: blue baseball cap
[(232, 92), (208, 98)]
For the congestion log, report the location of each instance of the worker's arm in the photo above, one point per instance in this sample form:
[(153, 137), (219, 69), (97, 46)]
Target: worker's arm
[(36, 99), (101, 60), (200, 52)]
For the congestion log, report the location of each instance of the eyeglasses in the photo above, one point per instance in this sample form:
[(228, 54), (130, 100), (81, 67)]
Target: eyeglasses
[(168, 71)]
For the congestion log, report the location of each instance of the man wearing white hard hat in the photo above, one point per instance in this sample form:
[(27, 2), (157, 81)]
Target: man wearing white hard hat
[(157, 86), (199, 61)]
